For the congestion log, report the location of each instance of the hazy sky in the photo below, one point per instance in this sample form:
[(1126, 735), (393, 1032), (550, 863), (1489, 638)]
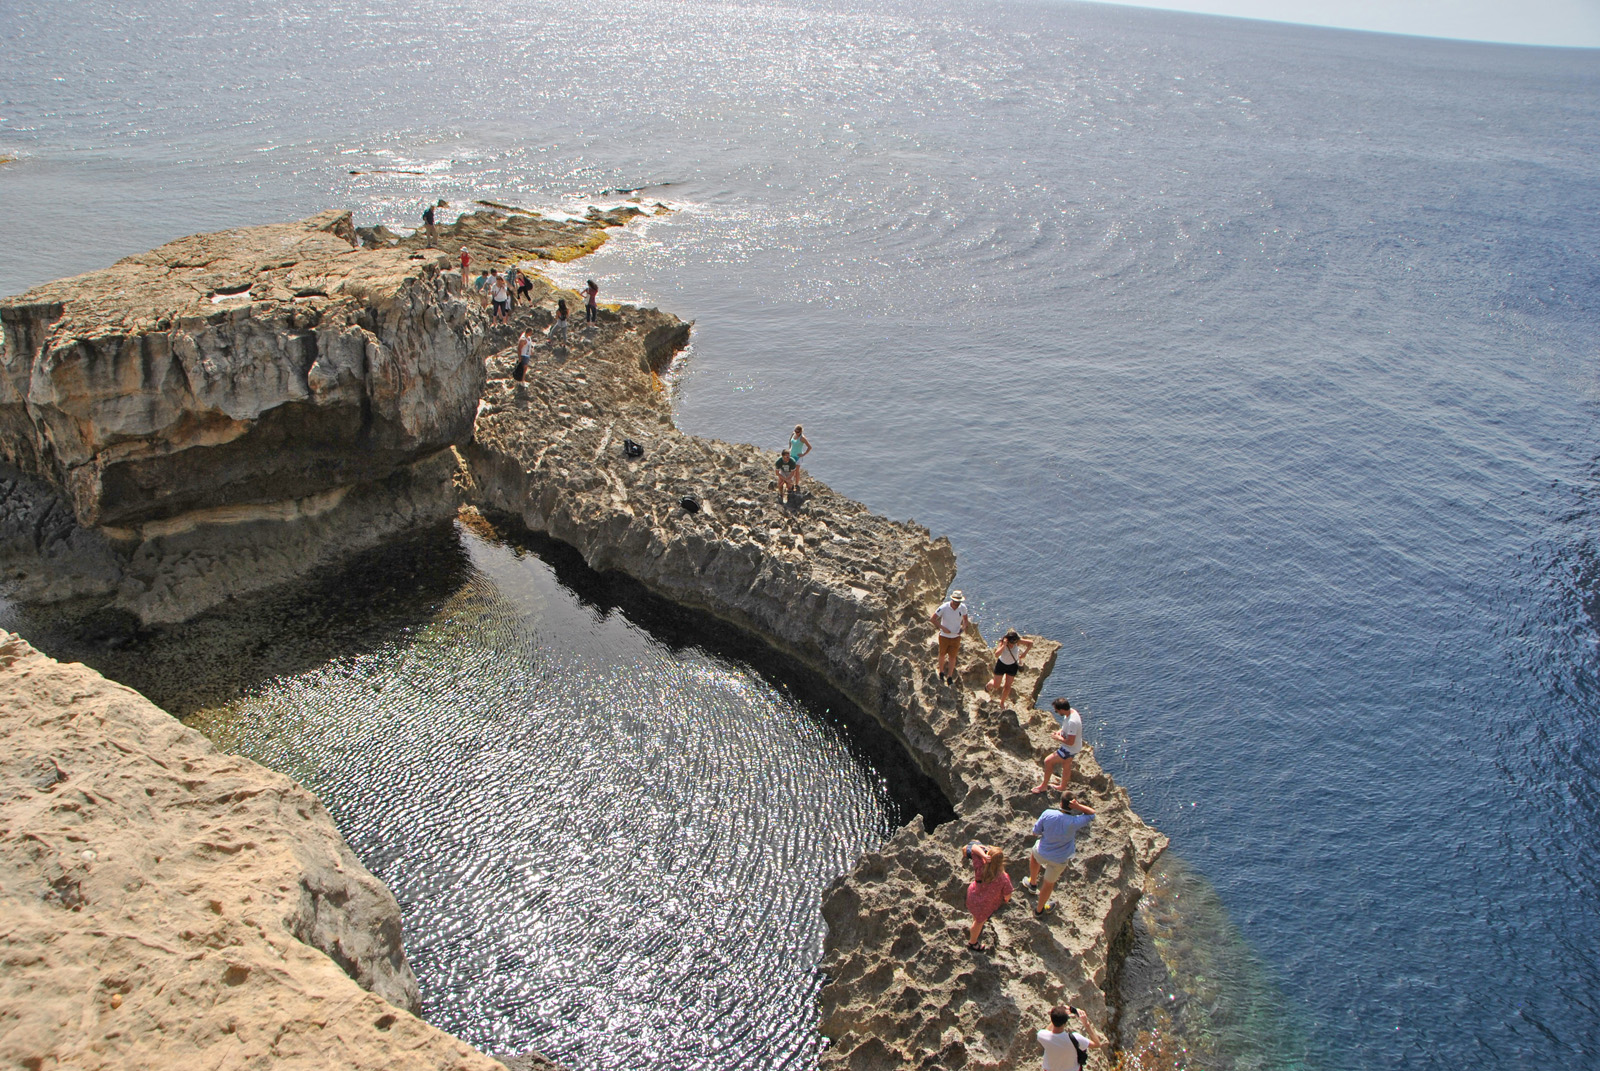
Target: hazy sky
[(1531, 22)]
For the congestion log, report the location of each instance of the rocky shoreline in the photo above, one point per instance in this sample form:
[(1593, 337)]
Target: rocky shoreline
[(845, 592)]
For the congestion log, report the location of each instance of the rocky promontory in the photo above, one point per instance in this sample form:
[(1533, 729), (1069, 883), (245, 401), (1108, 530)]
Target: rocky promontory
[(230, 410), (847, 593)]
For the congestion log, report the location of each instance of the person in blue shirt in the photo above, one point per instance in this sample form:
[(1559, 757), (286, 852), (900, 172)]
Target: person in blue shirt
[(1057, 830)]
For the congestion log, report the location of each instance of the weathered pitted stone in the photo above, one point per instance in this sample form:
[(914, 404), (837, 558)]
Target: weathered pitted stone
[(500, 235), (848, 593), (168, 905), (227, 412), (245, 367)]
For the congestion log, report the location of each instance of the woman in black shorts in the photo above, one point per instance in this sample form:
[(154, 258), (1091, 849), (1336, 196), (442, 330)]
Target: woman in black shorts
[(1007, 660)]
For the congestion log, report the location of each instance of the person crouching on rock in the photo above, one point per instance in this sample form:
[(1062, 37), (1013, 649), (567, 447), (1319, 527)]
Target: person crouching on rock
[(991, 887), (1071, 737), (558, 329), (785, 468), (1057, 830), (1066, 1049), (1007, 660), (789, 463)]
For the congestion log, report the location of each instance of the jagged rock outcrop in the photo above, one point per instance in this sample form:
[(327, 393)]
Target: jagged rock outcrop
[(849, 594), (194, 406), (169, 905), (498, 235)]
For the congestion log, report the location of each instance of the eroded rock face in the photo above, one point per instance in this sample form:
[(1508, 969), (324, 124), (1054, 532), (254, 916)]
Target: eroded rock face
[(169, 905), (245, 367), (224, 413), (848, 593)]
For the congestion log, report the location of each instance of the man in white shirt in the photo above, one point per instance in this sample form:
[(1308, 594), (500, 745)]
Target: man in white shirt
[(951, 621), (1071, 736), (1067, 1050)]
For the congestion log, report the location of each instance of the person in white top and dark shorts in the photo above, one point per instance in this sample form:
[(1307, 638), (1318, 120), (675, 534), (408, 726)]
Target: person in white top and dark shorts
[(1071, 737)]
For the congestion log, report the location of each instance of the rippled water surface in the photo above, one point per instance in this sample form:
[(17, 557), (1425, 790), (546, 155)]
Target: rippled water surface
[(607, 832), (1256, 363)]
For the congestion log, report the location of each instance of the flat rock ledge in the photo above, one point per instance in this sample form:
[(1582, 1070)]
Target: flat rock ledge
[(848, 593), (169, 905)]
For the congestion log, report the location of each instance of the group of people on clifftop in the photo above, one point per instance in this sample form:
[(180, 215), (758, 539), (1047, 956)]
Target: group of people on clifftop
[(1056, 830), (502, 290)]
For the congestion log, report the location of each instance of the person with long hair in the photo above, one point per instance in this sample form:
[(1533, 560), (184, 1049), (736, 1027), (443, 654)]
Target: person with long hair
[(789, 462), (1007, 660), (591, 297), (558, 327), (991, 886)]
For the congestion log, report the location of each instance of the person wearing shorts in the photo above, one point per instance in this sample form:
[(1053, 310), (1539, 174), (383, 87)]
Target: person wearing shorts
[(1070, 736), (789, 463), (1057, 830), (500, 296), (787, 467), (524, 354), (951, 621), (466, 259), (1008, 655)]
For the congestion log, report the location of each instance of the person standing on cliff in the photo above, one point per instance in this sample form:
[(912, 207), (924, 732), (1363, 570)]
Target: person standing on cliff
[(558, 327), (466, 259), (951, 621), (1071, 737), (1065, 1049), (524, 354), (990, 887), (591, 295), (500, 295), (427, 225), (1057, 830), (1008, 655)]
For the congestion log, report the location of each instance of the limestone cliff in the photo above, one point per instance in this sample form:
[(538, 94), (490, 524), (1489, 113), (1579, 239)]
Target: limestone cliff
[(168, 905), (848, 593), (221, 413)]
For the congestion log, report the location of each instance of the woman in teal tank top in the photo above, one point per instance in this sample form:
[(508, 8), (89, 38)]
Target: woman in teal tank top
[(789, 463)]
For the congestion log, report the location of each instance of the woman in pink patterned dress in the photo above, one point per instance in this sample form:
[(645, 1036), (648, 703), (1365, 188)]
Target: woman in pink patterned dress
[(991, 886)]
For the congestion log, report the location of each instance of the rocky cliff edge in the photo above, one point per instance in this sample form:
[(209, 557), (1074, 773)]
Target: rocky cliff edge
[(221, 413), (169, 905), (849, 594)]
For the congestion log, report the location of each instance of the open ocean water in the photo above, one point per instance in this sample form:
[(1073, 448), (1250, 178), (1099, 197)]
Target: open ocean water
[(1259, 364)]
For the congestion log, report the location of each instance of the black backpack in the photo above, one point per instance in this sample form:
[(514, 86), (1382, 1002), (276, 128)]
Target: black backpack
[(1083, 1053)]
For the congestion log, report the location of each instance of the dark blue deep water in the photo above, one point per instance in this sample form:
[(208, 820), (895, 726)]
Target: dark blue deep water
[(1261, 365)]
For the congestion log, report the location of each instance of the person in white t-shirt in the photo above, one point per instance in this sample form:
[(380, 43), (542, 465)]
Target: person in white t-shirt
[(1064, 1049), (1071, 736), (951, 621)]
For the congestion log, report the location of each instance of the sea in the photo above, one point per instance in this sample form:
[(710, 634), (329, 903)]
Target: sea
[(1258, 364)]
